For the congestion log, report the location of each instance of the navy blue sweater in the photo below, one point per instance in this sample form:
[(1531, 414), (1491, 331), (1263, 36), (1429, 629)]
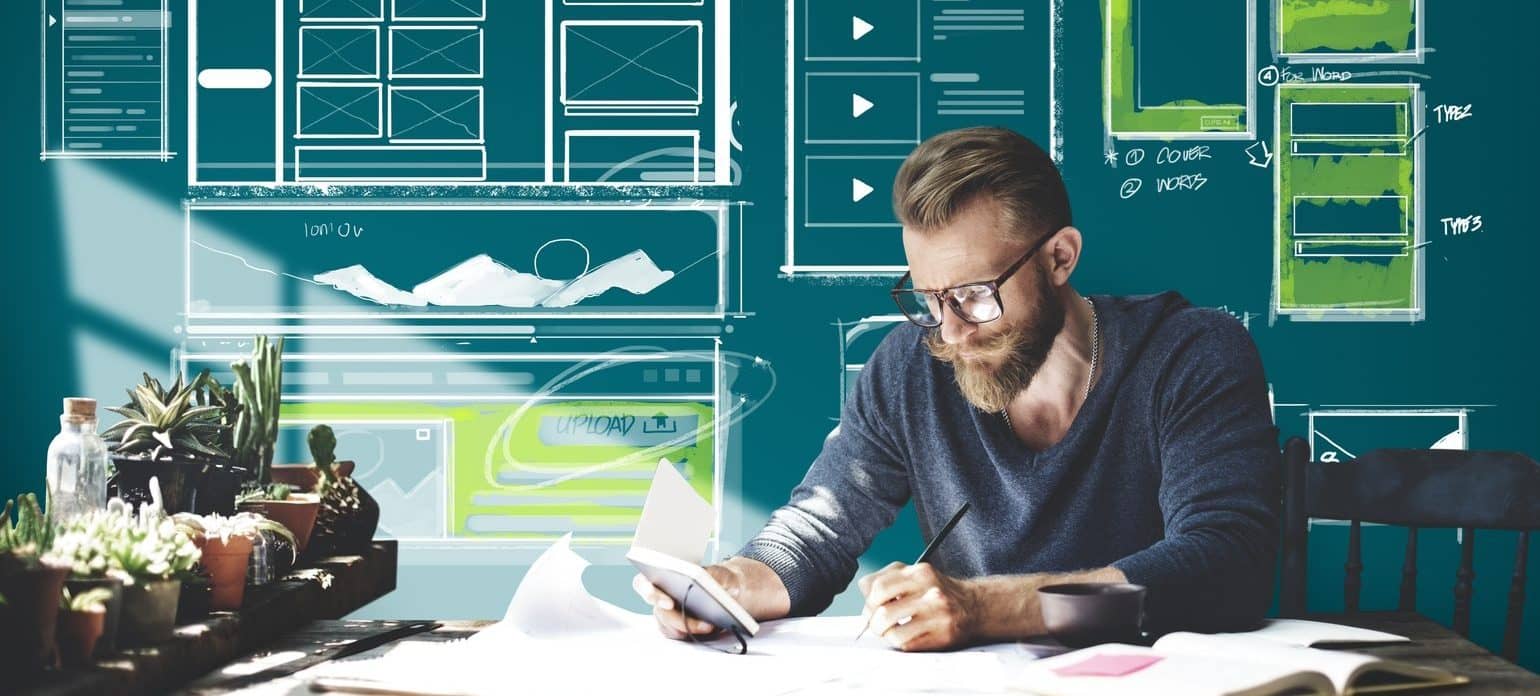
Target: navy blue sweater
[(1170, 472)]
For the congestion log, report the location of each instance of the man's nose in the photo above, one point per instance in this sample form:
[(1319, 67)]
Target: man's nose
[(953, 329)]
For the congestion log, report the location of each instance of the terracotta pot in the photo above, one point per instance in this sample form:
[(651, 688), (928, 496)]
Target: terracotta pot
[(305, 477), (29, 617), (149, 611), (79, 632), (226, 561), (297, 514), (108, 643)]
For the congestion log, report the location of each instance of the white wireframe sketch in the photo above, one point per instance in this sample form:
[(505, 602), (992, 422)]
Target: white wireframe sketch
[(808, 67), (82, 120), (408, 48), (1245, 72), (1415, 54)]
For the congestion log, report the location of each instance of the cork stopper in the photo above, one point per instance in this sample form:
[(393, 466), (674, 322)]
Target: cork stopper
[(80, 408)]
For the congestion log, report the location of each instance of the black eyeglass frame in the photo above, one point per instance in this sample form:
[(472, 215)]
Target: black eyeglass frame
[(947, 297)]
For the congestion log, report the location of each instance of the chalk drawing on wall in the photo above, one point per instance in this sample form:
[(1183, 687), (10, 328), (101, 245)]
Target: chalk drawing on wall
[(1163, 81), (103, 84), (543, 94), (1377, 31), (1348, 235), (869, 80)]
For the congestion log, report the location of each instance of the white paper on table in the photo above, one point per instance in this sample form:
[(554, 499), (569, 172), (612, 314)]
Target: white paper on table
[(675, 519), (1308, 633), (556, 638)]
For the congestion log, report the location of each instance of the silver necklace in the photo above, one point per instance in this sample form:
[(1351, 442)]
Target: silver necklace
[(1096, 349)]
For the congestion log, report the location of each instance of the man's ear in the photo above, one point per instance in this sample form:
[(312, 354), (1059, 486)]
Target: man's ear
[(1063, 255)]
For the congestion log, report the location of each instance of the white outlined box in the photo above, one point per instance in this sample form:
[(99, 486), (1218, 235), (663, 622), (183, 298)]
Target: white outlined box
[(343, 111), (856, 107), (342, 39), (425, 52), (1405, 223), (375, 159), (341, 10), (436, 114), (439, 10), (692, 137), (833, 197), (854, 27), (585, 30)]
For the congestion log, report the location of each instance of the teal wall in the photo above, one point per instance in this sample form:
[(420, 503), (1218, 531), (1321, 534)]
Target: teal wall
[(93, 285)]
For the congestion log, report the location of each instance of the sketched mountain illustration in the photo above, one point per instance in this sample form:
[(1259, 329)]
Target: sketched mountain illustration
[(482, 281), (358, 281), (635, 273)]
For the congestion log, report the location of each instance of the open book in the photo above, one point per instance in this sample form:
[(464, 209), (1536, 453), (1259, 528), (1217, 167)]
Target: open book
[(671, 538), (1229, 665)]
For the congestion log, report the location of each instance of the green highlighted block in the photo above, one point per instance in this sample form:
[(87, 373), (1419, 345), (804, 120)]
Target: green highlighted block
[(1349, 203), (1357, 30), (1163, 79)]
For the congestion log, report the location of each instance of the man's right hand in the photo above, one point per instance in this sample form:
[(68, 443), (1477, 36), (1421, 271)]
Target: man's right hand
[(671, 621), (752, 583)]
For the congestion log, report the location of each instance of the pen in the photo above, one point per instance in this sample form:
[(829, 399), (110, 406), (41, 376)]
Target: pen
[(925, 555)]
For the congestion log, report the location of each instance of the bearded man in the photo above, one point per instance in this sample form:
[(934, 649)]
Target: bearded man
[(1097, 439)]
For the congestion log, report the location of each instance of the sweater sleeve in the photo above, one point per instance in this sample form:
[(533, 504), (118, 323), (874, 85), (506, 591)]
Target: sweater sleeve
[(853, 490), (1219, 488)]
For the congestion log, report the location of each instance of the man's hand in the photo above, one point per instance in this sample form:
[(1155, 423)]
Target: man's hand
[(756, 587), (671, 620), (917, 608)]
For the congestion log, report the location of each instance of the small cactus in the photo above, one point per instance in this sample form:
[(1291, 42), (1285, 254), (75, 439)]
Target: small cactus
[(323, 450)]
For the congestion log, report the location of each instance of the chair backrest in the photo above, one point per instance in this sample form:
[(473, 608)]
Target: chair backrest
[(1467, 490)]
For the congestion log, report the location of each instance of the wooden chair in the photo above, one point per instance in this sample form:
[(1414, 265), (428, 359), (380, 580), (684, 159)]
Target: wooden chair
[(1468, 490)]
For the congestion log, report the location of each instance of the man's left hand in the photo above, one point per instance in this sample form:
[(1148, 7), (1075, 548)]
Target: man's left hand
[(917, 608)]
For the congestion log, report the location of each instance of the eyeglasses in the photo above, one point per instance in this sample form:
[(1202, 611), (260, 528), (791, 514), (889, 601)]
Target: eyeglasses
[(975, 303)]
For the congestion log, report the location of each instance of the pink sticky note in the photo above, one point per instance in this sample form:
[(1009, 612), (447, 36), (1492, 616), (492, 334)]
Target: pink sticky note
[(1107, 665)]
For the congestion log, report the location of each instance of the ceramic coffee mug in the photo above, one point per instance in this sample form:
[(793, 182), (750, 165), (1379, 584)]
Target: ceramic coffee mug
[(1088, 613)]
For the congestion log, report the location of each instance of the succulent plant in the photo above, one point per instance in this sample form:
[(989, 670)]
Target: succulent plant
[(176, 423), (149, 546), (253, 423), (32, 533), (85, 543), (347, 515), (246, 524), (93, 600)]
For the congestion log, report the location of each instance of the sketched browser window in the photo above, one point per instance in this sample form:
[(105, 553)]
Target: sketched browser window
[(1341, 434), (476, 450), (545, 93)]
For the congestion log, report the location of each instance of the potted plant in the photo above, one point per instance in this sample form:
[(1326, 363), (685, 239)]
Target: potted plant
[(30, 580), (274, 549), (173, 435), (251, 420), (348, 515), (156, 556), (82, 618), (83, 543)]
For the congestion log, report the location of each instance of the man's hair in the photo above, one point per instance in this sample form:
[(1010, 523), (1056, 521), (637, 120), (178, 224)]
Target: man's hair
[(952, 170)]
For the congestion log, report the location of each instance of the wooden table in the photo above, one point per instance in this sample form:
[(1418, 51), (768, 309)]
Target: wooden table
[(327, 589), (1432, 645)]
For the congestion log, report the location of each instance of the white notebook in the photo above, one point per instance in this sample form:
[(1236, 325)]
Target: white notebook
[(670, 543), (1224, 665)]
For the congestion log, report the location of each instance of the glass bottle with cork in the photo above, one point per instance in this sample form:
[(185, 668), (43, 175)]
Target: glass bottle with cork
[(77, 463)]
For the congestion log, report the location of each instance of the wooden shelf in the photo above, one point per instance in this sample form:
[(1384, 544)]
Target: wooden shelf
[(328, 589)]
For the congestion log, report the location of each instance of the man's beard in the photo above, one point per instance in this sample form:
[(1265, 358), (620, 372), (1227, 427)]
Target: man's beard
[(1003, 365)]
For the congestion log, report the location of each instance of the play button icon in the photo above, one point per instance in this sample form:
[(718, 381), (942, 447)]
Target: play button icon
[(859, 190), (859, 28), (859, 105)]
